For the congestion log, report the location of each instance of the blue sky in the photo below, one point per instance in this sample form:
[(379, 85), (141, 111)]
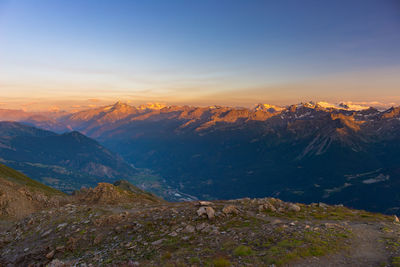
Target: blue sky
[(199, 52)]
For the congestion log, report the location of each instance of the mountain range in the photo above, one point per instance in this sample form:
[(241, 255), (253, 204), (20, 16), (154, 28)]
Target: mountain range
[(305, 152)]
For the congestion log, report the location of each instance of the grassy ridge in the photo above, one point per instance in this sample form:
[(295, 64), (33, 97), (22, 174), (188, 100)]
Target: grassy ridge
[(21, 179)]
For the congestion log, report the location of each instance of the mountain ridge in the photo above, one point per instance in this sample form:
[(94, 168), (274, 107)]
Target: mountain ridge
[(41, 153), (21, 196), (120, 111)]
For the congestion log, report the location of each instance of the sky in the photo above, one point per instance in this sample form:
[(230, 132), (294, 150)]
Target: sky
[(76, 54)]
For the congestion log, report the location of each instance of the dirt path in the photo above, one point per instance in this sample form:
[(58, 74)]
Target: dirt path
[(367, 249)]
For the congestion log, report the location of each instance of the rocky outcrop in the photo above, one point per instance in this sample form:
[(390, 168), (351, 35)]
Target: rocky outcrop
[(277, 205), (106, 193)]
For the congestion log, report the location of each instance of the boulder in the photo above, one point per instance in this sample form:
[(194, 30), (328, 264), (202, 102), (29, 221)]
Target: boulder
[(322, 205), (208, 211), (173, 233), (267, 207), (188, 229), (230, 209), (157, 242), (201, 226), (204, 203), (276, 221), (294, 207)]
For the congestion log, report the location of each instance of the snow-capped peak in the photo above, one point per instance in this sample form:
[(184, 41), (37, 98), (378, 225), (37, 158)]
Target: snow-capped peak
[(268, 107), (342, 105), (323, 104), (352, 106)]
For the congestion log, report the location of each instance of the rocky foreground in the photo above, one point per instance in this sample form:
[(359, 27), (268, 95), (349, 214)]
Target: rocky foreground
[(109, 225)]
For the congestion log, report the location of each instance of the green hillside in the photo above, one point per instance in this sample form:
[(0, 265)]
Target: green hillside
[(16, 177)]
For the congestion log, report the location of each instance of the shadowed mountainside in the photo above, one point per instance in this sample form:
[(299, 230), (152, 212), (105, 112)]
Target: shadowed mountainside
[(65, 161), (305, 152)]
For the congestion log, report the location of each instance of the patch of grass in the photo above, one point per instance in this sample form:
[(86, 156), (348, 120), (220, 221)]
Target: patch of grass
[(396, 261), (109, 260), (148, 255), (221, 262), (173, 243), (387, 230), (242, 251), (392, 243), (330, 213), (166, 256), (302, 245), (290, 243), (344, 235), (194, 260), (228, 245), (241, 222)]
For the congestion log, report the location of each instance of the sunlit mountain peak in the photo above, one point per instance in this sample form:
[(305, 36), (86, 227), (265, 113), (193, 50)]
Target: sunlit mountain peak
[(152, 106)]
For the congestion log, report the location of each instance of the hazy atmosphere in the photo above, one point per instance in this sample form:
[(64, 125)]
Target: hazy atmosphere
[(80, 54)]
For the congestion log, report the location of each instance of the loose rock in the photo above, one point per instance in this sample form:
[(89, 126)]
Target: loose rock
[(50, 255)]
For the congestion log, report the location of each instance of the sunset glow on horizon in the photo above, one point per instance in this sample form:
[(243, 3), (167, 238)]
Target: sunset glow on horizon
[(71, 55)]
